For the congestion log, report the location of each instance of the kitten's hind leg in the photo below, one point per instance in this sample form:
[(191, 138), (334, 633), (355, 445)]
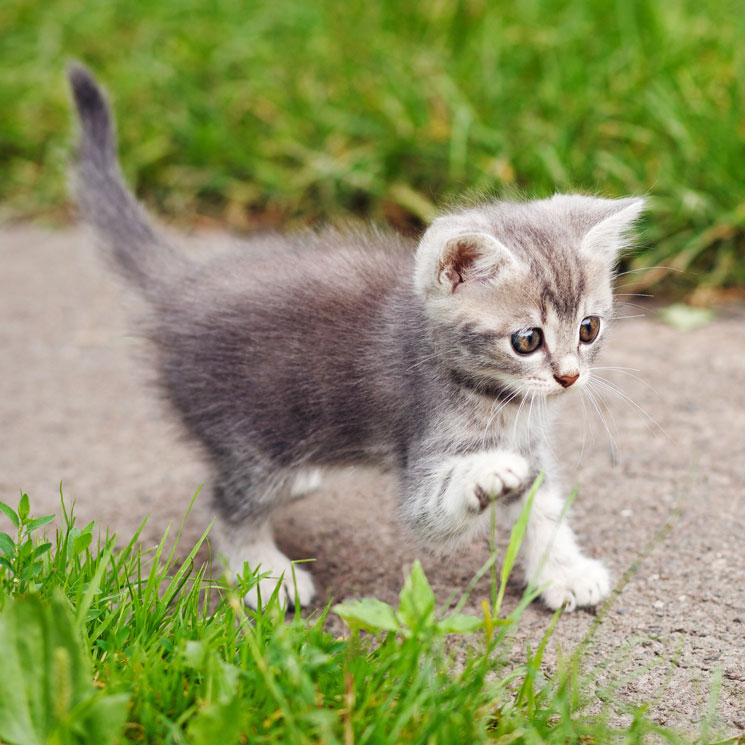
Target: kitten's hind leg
[(254, 545), (243, 535)]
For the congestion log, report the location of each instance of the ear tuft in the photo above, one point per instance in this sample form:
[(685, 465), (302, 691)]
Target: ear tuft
[(470, 257), (607, 238)]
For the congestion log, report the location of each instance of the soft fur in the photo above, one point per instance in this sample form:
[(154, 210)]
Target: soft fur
[(340, 348)]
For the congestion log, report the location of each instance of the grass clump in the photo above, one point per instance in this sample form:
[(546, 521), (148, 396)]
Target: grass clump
[(258, 113), (110, 643)]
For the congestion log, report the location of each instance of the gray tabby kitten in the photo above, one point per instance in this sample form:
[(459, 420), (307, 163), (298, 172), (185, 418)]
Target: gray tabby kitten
[(346, 348)]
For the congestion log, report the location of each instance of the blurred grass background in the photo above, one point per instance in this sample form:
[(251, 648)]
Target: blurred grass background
[(276, 111)]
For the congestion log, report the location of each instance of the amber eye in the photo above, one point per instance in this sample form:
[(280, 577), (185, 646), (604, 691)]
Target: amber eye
[(589, 328), (527, 340)]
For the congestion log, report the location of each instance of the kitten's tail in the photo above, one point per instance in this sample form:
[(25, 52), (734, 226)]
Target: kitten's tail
[(120, 223)]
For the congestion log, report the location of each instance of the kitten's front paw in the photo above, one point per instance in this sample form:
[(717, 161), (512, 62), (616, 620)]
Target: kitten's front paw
[(583, 583), (494, 476)]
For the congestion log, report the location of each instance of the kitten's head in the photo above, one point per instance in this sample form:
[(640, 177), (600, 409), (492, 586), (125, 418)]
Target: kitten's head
[(519, 294)]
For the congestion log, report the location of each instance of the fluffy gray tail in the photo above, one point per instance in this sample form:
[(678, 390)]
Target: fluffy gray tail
[(120, 224)]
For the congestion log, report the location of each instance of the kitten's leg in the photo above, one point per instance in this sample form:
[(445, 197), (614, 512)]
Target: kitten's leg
[(446, 497), (551, 555), (243, 534)]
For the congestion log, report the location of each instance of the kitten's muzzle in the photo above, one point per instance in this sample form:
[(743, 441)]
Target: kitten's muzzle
[(566, 380)]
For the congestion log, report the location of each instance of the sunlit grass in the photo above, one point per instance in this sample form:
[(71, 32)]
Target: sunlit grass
[(263, 112), (102, 641)]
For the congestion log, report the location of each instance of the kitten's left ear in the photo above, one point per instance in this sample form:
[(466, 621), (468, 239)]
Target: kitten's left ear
[(447, 261), (607, 238)]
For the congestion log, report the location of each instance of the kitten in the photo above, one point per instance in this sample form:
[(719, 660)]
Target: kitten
[(345, 348)]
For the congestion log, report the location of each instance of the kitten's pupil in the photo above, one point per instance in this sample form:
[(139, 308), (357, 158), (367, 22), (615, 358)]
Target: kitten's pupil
[(589, 328), (527, 340)]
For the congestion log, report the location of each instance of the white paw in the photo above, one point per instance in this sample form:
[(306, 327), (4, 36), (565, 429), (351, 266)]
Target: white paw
[(583, 583), (296, 590), (263, 557), (491, 476)]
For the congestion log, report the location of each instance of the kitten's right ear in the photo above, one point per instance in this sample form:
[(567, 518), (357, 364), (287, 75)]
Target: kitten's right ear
[(448, 262)]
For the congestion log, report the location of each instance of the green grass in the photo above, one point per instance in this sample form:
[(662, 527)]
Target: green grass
[(256, 113), (104, 641)]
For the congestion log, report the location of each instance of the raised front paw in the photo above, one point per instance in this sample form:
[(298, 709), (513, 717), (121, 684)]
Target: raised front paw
[(584, 582), (496, 477), (486, 477)]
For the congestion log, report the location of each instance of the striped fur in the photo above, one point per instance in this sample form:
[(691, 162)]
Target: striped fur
[(326, 349)]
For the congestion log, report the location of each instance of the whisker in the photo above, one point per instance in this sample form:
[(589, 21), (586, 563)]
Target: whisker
[(544, 427), (615, 367), (608, 410), (625, 371), (647, 268), (530, 412), (584, 426), (492, 409), (424, 359), (646, 417), (493, 414), (611, 441), (633, 305), (517, 416)]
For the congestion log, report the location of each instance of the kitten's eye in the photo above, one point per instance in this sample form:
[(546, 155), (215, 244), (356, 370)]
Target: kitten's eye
[(527, 340), (589, 328)]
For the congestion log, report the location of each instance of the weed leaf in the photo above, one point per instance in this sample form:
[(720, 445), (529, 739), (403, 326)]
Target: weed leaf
[(369, 613), (39, 522), (6, 545), (23, 507), (416, 601), (10, 514), (47, 677), (459, 623)]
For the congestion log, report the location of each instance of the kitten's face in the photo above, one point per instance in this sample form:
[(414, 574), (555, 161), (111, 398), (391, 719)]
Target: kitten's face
[(519, 295)]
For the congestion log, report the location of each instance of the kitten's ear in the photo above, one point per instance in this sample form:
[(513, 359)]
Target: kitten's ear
[(451, 262), (607, 237)]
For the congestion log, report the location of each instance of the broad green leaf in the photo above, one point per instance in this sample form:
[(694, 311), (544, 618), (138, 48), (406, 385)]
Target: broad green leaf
[(368, 613), (194, 654), (6, 545), (10, 513), (416, 601), (217, 723), (41, 549), (39, 522), (81, 543), (23, 507), (46, 686), (460, 623), (102, 718), (219, 717)]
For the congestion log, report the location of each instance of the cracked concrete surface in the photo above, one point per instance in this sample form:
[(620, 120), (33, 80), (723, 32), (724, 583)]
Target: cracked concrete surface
[(668, 517)]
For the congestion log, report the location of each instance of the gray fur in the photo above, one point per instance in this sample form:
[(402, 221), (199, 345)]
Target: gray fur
[(357, 347)]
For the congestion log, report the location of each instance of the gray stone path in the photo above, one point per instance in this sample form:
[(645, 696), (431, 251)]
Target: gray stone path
[(76, 407)]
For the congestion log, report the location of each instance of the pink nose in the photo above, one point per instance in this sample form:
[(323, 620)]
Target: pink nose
[(566, 380)]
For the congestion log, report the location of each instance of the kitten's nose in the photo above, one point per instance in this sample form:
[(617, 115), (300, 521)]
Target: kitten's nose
[(566, 380)]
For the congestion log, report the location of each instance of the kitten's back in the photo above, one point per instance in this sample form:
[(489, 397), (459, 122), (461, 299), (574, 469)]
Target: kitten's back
[(291, 356)]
